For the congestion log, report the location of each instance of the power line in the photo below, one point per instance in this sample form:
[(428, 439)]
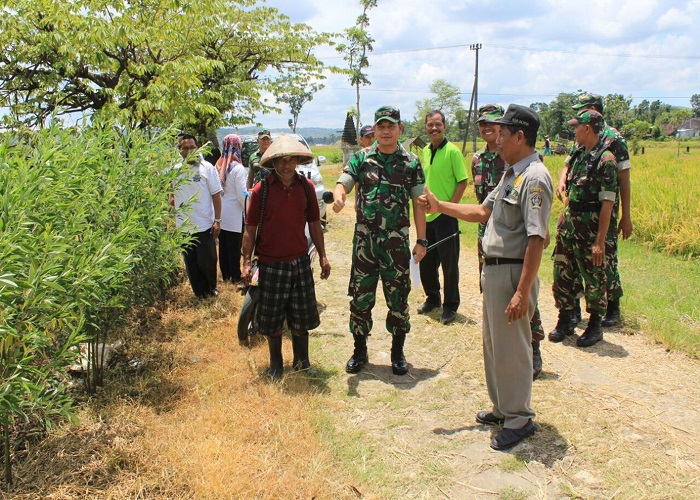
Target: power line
[(532, 49), (492, 94)]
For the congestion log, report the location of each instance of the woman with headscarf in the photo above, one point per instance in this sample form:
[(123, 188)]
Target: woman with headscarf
[(233, 179)]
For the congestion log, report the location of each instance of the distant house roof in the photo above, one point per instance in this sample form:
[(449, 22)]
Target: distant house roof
[(690, 123), (413, 142)]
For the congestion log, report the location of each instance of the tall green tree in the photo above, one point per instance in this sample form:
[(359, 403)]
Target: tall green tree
[(695, 104), (149, 63), (296, 97), (446, 98), (355, 53), (617, 110)]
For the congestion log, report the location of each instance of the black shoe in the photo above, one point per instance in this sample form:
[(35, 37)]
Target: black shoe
[(612, 315), (576, 313), (359, 356), (427, 307), (488, 418), (508, 438), (564, 327), (447, 317), (399, 365), (536, 360), (592, 334)]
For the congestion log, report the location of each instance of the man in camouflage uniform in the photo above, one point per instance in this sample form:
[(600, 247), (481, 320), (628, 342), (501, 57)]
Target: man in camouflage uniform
[(618, 146), (487, 169), (591, 189), (387, 177), (255, 171)]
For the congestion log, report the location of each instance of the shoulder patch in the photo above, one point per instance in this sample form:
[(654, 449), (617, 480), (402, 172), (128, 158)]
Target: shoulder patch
[(536, 200)]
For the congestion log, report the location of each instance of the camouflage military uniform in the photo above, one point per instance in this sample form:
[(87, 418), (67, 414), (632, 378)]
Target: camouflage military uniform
[(592, 178), (254, 166), (385, 186), (618, 146), (487, 169)]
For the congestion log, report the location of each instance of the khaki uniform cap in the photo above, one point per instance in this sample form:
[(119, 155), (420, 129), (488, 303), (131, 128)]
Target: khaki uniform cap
[(285, 145)]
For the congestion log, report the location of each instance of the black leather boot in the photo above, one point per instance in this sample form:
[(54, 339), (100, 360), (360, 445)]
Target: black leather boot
[(612, 315), (592, 334), (300, 347), (576, 313), (536, 359), (276, 362), (359, 355), (564, 327), (399, 365)]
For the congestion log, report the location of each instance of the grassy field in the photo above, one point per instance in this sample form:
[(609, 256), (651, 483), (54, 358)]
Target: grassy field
[(659, 265)]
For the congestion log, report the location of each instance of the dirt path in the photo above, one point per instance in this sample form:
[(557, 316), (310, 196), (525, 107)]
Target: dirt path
[(620, 419)]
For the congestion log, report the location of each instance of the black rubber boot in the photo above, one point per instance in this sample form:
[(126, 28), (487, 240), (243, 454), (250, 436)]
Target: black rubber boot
[(564, 327), (592, 334), (399, 365), (536, 359), (300, 347), (612, 315), (576, 313), (276, 362), (359, 355)]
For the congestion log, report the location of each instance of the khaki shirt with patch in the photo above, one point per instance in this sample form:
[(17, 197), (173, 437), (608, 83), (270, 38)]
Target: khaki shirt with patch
[(520, 207)]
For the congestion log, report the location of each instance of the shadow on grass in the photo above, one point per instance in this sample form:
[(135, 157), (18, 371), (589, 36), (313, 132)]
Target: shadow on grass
[(384, 374), (602, 348), (547, 446)]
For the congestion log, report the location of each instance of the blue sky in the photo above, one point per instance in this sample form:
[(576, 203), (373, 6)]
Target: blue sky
[(531, 51)]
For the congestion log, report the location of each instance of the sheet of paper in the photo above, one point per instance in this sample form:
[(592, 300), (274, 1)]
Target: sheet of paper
[(415, 273)]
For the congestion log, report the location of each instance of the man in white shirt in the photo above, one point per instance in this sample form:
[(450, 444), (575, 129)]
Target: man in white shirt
[(197, 198)]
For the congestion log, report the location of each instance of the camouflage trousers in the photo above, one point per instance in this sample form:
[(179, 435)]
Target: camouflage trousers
[(572, 265), (612, 275), (386, 254), (536, 321)]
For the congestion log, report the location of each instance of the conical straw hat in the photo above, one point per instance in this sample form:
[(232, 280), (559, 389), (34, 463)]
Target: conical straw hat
[(285, 145)]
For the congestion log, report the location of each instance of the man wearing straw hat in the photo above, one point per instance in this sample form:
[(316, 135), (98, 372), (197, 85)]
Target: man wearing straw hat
[(286, 281)]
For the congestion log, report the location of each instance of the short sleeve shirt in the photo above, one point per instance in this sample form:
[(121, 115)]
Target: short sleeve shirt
[(196, 185), (520, 206), (443, 171), (386, 183)]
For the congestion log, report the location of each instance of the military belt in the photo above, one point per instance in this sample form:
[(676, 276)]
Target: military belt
[(497, 261), (586, 206)]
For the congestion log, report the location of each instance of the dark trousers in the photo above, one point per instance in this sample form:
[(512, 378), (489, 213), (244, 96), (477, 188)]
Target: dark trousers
[(230, 255), (446, 255), (200, 263)]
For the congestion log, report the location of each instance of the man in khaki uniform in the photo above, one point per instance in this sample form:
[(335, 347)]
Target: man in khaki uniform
[(517, 212)]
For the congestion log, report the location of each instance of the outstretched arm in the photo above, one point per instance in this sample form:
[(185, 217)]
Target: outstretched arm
[(469, 213)]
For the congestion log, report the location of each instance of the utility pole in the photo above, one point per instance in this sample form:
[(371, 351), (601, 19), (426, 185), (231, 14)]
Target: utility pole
[(473, 103)]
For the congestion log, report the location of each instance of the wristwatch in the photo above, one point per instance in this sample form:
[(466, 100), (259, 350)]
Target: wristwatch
[(217, 220), (423, 242)]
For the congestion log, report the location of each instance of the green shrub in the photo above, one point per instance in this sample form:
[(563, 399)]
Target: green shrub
[(86, 233)]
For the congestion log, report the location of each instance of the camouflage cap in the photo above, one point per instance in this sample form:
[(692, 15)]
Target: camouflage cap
[(586, 117), (489, 113), (520, 116), (589, 100), (389, 113), (366, 130), (264, 133)]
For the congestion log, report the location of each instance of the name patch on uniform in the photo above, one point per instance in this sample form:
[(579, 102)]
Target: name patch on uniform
[(536, 200)]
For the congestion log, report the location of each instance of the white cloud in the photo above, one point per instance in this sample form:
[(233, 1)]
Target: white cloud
[(531, 51)]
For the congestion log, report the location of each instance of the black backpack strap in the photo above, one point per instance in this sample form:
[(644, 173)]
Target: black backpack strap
[(307, 190), (263, 202)]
